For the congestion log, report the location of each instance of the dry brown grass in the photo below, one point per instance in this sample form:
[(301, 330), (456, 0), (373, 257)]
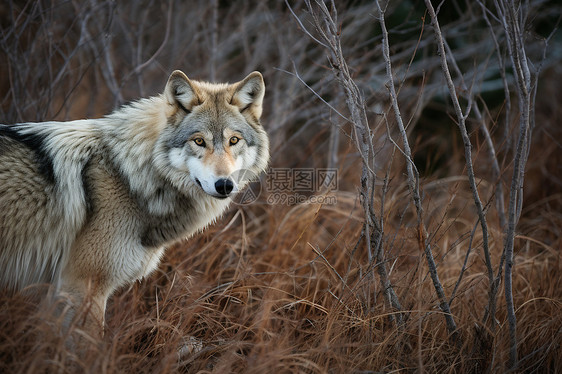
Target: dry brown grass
[(279, 288)]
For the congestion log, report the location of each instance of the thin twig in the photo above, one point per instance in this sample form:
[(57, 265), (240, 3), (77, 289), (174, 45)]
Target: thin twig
[(413, 182), (325, 22), (514, 28), (461, 118)]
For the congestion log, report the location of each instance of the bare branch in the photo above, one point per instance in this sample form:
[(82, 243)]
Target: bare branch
[(516, 48), (461, 123), (413, 183), (325, 22)]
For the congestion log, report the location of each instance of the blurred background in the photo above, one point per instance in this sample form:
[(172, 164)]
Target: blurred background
[(290, 283)]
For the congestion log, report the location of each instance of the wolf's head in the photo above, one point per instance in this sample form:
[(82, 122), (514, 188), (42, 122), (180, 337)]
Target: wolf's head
[(214, 131)]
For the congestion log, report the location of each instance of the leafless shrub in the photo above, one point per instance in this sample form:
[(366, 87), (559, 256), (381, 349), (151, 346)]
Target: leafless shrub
[(292, 288)]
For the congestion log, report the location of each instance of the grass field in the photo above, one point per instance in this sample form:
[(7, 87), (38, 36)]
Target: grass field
[(290, 283)]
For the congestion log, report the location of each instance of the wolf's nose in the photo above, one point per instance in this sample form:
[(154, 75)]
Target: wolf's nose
[(224, 186)]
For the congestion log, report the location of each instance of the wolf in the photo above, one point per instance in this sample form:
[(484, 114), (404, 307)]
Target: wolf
[(91, 205)]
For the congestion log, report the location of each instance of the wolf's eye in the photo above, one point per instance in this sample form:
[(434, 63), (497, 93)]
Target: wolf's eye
[(234, 140), (199, 141)]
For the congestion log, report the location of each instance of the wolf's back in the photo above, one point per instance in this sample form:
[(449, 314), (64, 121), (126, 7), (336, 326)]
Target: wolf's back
[(36, 225)]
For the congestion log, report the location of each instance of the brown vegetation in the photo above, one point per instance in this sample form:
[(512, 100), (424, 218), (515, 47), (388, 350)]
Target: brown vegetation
[(299, 287)]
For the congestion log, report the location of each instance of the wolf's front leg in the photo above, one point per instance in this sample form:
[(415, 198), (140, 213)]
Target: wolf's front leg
[(81, 309)]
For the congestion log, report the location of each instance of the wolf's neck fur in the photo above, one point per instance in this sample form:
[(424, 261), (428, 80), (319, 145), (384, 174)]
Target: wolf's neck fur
[(134, 152), (130, 148)]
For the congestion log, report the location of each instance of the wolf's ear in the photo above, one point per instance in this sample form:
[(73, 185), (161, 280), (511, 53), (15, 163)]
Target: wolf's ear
[(249, 94), (180, 91)]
